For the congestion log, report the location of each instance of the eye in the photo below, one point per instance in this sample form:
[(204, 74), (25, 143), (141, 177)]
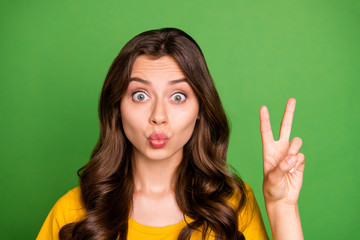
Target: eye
[(178, 97), (140, 96)]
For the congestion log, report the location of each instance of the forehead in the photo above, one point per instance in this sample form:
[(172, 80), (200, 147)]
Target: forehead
[(148, 68)]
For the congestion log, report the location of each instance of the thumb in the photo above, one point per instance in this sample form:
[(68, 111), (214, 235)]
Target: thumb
[(285, 166)]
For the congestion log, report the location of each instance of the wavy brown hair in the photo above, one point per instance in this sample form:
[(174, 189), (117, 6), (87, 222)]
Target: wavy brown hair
[(204, 182)]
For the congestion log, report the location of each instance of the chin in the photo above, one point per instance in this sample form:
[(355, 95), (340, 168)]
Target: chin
[(158, 154)]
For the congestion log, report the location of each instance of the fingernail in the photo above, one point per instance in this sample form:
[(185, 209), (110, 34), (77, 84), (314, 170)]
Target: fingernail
[(291, 160), (292, 170)]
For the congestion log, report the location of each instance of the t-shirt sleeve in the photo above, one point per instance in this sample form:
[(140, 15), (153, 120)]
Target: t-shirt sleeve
[(250, 219), (66, 210)]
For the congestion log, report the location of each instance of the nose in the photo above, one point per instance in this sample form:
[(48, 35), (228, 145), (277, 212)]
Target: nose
[(158, 115)]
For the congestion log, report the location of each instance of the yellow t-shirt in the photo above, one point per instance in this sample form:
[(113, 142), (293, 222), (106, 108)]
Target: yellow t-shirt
[(69, 209)]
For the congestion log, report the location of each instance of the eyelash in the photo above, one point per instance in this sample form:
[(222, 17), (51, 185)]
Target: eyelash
[(143, 91), (182, 94), (138, 91)]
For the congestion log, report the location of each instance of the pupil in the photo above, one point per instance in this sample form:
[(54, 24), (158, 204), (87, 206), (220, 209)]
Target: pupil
[(177, 98), (141, 97)]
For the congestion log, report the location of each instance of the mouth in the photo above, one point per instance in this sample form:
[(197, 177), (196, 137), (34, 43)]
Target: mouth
[(158, 140)]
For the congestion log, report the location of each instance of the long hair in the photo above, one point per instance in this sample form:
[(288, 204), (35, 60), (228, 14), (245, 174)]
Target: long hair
[(204, 182)]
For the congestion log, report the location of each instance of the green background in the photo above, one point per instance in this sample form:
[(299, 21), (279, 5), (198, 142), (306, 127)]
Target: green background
[(55, 55)]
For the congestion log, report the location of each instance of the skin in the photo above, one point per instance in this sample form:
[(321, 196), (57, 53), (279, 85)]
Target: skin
[(283, 166), (154, 103)]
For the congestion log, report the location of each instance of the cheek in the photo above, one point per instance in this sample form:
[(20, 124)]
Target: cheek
[(132, 121), (185, 123)]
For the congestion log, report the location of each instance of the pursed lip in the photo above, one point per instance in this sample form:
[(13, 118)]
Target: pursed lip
[(158, 140), (158, 136)]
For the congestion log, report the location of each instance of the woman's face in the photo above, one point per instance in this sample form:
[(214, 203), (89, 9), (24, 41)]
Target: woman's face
[(159, 109)]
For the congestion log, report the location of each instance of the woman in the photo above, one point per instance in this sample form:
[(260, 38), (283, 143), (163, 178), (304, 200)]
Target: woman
[(159, 168)]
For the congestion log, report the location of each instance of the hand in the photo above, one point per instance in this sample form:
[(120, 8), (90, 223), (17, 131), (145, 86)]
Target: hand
[(283, 164)]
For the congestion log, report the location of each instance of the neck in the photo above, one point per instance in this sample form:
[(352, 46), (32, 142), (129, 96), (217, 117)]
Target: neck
[(155, 176)]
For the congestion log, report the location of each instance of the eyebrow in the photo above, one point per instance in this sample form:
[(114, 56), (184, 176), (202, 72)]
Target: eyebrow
[(172, 82)]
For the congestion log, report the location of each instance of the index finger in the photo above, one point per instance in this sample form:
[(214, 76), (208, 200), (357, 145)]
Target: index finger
[(286, 123), (265, 126)]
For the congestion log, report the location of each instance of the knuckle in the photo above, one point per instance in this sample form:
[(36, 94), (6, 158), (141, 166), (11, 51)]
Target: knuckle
[(284, 166), (301, 158)]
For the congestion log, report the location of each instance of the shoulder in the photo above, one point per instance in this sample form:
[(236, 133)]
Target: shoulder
[(72, 199), (247, 193), (250, 220), (250, 206), (70, 206), (66, 210)]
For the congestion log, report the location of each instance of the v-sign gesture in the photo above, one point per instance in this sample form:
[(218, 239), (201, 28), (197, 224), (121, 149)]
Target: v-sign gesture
[(282, 162), (283, 175)]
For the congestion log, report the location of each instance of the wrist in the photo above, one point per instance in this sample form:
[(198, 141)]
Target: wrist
[(281, 205), (284, 220), (277, 209)]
